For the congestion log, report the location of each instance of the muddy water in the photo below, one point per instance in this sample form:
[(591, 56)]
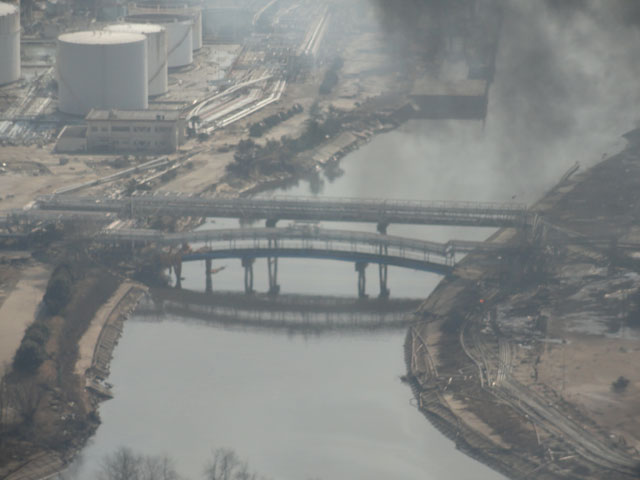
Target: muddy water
[(298, 406), (333, 407), (295, 406)]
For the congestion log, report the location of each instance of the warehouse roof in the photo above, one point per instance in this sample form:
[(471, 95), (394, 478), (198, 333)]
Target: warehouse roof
[(134, 115)]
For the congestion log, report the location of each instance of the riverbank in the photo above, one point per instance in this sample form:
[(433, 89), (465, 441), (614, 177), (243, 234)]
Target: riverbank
[(515, 358), (65, 404)]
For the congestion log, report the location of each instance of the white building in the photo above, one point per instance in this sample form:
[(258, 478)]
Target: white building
[(161, 131)]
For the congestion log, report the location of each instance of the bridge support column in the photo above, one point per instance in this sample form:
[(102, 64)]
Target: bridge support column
[(272, 266), (362, 281), (177, 268), (207, 272), (247, 263), (382, 273), (382, 267)]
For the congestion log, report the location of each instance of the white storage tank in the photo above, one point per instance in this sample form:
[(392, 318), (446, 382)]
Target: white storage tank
[(156, 53), (9, 43), (103, 70), (179, 35), (171, 8)]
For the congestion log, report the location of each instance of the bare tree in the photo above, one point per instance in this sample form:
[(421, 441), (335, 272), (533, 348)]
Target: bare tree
[(158, 468), (123, 464), (221, 467), (25, 397), (225, 465)]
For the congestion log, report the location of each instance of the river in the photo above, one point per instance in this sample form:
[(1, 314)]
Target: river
[(308, 406), (295, 406), (332, 406)]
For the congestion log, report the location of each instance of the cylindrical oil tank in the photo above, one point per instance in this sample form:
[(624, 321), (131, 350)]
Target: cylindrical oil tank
[(9, 43), (179, 35), (100, 69), (156, 52), (172, 8)]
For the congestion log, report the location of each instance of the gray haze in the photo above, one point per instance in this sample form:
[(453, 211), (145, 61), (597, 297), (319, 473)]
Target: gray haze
[(565, 90)]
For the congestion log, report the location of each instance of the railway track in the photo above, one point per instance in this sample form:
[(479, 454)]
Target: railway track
[(495, 370)]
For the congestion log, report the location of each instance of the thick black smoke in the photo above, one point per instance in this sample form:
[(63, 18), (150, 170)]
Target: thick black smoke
[(566, 80)]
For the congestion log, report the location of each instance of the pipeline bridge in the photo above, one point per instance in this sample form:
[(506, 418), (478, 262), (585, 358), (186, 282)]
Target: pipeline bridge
[(309, 209), (294, 313), (308, 241)]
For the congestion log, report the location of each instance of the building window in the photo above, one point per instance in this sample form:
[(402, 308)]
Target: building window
[(163, 129), (94, 129), (119, 129)]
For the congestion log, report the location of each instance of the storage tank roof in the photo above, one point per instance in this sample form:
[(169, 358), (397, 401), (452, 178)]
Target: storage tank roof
[(135, 27), (161, 18), (101, 37), (7, 9)]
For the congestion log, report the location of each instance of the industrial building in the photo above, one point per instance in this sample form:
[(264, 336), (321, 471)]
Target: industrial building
[(72, 139), (161, 131), (157, 63), (179, 35), (102, 70), (461, 99), (9, 43)]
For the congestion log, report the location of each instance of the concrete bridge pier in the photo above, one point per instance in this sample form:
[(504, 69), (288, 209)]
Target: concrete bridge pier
[(207, 272), (247, 263), (362, 281)]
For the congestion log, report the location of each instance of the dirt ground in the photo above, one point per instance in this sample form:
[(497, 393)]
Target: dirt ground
[(20, 308), (582, 371), (553, 335)]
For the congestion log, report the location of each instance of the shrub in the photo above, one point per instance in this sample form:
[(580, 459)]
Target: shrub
[(620, 384), (29, 356), (38, 333), (58, 291)]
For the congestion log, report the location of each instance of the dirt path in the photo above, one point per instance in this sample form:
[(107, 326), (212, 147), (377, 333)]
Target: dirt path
[(20, 309), (88, 342)]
